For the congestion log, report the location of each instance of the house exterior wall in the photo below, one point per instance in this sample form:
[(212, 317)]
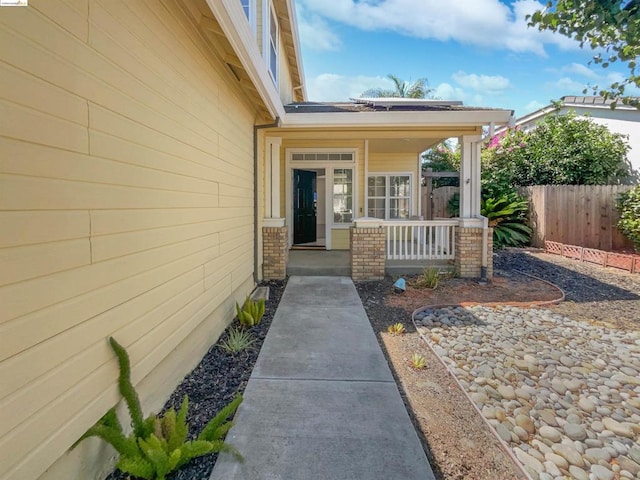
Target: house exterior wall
[(126, 209)]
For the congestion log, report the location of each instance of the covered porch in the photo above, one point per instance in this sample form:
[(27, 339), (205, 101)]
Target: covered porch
[(348, 178)]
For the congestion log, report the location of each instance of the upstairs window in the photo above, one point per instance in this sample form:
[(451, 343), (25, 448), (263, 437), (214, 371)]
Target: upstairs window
[(272, 44), (249, 8)]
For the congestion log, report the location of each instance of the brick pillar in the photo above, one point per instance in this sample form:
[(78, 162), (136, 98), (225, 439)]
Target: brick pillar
[(275, 251), (469, 252), (367, 253)]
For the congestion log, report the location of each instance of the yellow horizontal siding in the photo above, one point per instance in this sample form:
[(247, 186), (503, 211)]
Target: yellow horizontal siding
[(393, 163), (340, 239), (126, 209), (23, 263), (26, 228)]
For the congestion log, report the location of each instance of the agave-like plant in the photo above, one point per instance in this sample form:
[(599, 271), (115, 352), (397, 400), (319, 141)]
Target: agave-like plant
[(507, 217), (396, 329)]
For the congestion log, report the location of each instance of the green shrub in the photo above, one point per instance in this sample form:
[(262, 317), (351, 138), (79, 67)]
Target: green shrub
[(629, 210), (237, 341), (158, 444), (251, 312), (507, 217)]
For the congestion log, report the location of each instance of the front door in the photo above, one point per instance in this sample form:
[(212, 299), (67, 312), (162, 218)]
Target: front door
[(304, 206)]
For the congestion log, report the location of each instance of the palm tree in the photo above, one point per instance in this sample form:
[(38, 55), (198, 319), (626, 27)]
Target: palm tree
[(403, 89)]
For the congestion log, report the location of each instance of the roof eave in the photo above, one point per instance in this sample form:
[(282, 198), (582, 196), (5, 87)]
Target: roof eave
[(397, 119), (233, 22)]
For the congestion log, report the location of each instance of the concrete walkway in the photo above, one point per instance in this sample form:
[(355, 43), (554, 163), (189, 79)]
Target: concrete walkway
[(321, 402)]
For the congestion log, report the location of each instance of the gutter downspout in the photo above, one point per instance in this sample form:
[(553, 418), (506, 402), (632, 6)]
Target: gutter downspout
[(485, 254), (275, 124)]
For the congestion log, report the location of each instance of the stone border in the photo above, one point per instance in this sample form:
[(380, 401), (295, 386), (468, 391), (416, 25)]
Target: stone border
[(623, 261)]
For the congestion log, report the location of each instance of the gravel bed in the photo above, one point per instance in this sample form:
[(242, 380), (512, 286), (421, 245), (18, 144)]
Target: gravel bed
[(593, 293), (217, 379), (564, 394)]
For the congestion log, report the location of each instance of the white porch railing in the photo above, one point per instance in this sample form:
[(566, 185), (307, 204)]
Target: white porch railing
[(421, 240)]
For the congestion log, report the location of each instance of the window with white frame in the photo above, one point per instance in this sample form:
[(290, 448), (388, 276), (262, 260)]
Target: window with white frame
[(272, 44), (389, 196), (249, 8), (342, 195)]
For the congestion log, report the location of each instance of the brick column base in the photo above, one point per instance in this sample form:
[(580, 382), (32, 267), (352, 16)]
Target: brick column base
[(469, 252), (275, 252), (367, 253)]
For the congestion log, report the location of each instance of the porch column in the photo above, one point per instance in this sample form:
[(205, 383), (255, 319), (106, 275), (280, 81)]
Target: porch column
[(472, 233), (367, 249), (275, 235), (470, 176), (272, 177)]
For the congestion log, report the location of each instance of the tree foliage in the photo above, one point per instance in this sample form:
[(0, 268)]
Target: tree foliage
[(611, 26), (442, 158), (402, 89), (629, 209), (561, 150)]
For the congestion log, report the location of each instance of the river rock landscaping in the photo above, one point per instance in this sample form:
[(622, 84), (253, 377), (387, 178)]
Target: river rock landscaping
[(564, 394)]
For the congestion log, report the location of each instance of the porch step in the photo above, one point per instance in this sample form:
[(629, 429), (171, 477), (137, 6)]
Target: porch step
[(397, 268), (306, 263)]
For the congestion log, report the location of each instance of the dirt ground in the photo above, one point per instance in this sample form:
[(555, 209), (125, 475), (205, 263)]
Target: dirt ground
[(458, 442)]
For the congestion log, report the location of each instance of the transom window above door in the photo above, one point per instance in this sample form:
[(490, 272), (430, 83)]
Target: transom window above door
[(389, 196)]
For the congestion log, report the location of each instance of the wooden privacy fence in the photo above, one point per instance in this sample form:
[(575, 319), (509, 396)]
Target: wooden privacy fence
[(434, 205), (583, 215)]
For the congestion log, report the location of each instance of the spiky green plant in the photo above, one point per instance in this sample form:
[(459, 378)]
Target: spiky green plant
[(251, 312), (507, 217), (429, 279), (396, 329), (418, 361), (237, 341), (158, 444)]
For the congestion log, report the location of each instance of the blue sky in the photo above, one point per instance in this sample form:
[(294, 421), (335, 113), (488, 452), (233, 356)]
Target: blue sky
[(477, 51)]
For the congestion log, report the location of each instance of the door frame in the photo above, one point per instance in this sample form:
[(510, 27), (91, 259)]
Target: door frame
[(328, 166)]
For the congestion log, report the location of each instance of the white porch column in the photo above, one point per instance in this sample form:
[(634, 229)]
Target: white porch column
[(272, 182), (470, 176)]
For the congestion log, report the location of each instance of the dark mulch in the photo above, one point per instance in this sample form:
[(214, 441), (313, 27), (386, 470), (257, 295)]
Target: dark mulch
[(593, 293), (215, 382)]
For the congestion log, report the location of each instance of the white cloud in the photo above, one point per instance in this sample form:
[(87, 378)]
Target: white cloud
[(534, 105), (330, 87), (581, 70), (566, 86), (315, 33), (488, 84), (487, 23)]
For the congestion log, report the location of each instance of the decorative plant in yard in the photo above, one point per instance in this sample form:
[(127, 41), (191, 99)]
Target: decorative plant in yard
[(396, 329), (429, 279), (158, 444), (629, 209), (237, 341), (507, 217), (251, 312), (418, 361), (507, 214)]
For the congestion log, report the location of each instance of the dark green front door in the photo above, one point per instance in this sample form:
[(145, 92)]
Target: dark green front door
[(304, 206)]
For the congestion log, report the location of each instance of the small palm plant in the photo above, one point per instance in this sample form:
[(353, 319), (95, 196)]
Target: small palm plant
[(507, 217), (158, 444)]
